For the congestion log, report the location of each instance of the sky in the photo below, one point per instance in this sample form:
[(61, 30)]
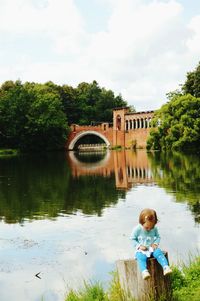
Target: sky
[(141, 49)]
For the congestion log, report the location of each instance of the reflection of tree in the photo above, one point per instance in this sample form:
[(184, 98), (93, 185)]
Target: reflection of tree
[(31, 187), (42, 186), (91, 194), (180, 174)]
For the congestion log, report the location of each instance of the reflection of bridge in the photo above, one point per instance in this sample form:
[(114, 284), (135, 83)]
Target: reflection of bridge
[(129, 130), (129, 167)]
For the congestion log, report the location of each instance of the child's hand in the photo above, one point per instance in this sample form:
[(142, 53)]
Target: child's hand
[(154, 246), (143, 248)]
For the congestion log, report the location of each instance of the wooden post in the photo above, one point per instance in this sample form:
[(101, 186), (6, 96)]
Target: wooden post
[(155, 288)]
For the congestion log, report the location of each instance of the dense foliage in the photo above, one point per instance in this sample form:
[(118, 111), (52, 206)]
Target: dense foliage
[(37, 116), (192, 84), (179, 119), (31, 117), (89, 103)]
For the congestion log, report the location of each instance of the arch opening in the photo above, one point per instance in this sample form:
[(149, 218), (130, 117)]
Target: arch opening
[(88, 137), (126, 125)]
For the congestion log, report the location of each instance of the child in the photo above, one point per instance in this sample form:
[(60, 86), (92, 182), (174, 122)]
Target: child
[(146, 239)]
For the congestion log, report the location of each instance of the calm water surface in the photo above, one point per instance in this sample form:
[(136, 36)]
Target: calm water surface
[(67, 218)]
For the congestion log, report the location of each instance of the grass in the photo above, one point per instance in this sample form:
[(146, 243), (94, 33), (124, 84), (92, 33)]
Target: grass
[(185, 282), (95, 292), (89, 293)]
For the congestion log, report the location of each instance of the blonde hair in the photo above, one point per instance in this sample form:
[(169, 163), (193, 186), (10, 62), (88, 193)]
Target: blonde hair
[(148, 215)]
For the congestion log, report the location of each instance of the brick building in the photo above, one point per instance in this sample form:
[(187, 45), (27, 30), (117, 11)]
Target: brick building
[(131, 129)]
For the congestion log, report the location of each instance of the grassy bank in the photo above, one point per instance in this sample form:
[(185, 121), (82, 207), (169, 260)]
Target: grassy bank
[(186, 281), (185, 286)]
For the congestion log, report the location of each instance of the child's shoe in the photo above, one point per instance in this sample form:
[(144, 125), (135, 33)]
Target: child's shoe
[(166, 270), (145, 274)]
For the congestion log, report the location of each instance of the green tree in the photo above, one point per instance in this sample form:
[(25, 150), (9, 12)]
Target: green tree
[(36, 116), (192, 83), (179, 126), (87, 97), (31, 116), (14, 104), (96, 104), (47, 123), (106, 103), (70, 103), (177, 123)]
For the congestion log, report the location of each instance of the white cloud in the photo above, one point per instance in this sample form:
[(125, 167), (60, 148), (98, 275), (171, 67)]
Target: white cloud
[(22, 16), (194, 41), (57, 21), (139, 50), (143, 51)]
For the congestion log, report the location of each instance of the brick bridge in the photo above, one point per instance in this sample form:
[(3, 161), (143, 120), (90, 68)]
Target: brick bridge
[(129, 130)]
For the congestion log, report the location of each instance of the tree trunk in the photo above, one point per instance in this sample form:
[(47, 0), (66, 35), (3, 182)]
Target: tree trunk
[(156, 287)]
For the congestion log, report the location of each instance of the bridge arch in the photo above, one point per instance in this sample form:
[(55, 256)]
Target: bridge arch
[(85, 133)]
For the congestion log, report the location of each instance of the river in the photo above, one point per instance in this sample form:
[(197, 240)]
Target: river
[(65, 218)]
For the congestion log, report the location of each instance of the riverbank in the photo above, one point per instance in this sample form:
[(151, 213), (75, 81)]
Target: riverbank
[(185, 286)]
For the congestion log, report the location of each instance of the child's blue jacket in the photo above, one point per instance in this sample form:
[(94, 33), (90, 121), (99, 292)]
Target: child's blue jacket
[(139, 236)]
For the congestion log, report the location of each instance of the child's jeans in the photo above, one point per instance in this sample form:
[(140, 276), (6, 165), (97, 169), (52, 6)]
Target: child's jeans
[(157, 253)]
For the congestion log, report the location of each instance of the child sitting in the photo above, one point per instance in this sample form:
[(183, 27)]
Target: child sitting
[(146, 239)]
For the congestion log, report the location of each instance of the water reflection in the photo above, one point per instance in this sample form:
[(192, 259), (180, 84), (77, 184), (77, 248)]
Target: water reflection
[(32, 186), (179, 174), (47, 186), (69, 216), (128, 167), (43, 186)]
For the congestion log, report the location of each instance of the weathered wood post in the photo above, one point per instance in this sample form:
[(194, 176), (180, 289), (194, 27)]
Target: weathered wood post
[(154, 288)]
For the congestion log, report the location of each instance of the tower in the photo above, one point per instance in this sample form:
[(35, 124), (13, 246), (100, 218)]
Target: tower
[(119, 126)]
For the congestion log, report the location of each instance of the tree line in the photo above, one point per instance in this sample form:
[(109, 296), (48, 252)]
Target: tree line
[(35, 116), (179, 118)]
